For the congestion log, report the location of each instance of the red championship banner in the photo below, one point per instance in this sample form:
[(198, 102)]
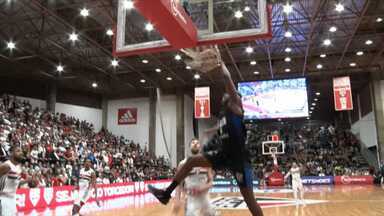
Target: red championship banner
[(202, 103), (342, 93), (40, 198), (353, 180), (127, 116)]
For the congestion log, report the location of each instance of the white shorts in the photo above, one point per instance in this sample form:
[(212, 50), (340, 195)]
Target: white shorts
[(297, 185), (199, 206), (84, 193), (8, 206)]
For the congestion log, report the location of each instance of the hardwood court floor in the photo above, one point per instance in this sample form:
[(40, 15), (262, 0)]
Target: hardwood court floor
[(321, 201)]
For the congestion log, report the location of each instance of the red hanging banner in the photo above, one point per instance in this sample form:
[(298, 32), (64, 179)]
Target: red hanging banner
[(202, 103), (342, 93)]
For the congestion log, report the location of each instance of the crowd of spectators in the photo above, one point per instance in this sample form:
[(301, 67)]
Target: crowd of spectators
[(56, 145), (320, 149)]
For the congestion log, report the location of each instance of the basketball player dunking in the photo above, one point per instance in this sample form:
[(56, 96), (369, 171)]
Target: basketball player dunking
[(297, 184), (196, 187), (87, 181), (10, 180), (226, 150)]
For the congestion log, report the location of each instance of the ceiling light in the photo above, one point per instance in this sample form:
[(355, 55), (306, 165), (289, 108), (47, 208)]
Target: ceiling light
[(368, 42), (287, 59), (339, 7), (288, 50), (178, 57), (323, 55), (352, 64), (310, 112), (249, 50), (59, 68), (247, 8), (94, 85), (128, 4), (73, 37), (188, 67), (148, 27), (158, 70), (253, 63), (196, 76), (308, 118), (318, 93), (287, 70), (379, 19), (319, 66), (333, 29), (312, 108), (11, 45), (315, 99), (288, 34), (256, 72), (114, 62), (143, 81), (109, 32), (169, 78), (313, 104), (238, 14), (287, 8), (327, 42), (360, 53), (84, 12), (145, 61)]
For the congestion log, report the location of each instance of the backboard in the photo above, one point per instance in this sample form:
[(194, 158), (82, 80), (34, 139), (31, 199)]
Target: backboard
[(273, 147), (215, 22)]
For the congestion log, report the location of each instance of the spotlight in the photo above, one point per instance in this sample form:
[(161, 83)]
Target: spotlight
[(114, 62), (73, 37), (238, 14), (84, 12), (11, 45)]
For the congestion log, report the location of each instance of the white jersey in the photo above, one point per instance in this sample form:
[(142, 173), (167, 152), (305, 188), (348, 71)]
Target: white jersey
[(196, 177), (86, 176), (10, 181), (197, 205), (295, 172)]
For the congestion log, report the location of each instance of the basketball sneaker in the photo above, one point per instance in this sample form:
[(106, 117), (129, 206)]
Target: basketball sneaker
[(160, 194)]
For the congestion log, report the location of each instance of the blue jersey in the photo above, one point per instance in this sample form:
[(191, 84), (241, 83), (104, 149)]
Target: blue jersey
[(233, 134)]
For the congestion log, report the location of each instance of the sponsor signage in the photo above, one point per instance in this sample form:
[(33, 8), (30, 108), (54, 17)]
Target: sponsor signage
[(342, 93), (202, 103), (127, 116), (230, 182), (276, 179), (317, 180), (351, 180), (37, 198)]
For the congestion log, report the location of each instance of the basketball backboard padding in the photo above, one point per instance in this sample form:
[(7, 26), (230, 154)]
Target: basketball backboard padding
[(171, 20), (213, 19)]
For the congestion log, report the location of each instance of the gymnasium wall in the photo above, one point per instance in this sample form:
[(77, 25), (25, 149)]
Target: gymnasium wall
[(139, 132), (363, 122), (91, 115), (41, 104), (365, 130), (168, 131), (188, 122)]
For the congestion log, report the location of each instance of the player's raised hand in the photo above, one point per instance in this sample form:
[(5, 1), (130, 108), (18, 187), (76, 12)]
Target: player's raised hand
[(203, 59)]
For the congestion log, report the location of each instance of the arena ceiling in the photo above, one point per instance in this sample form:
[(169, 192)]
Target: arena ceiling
[(40, 31)]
